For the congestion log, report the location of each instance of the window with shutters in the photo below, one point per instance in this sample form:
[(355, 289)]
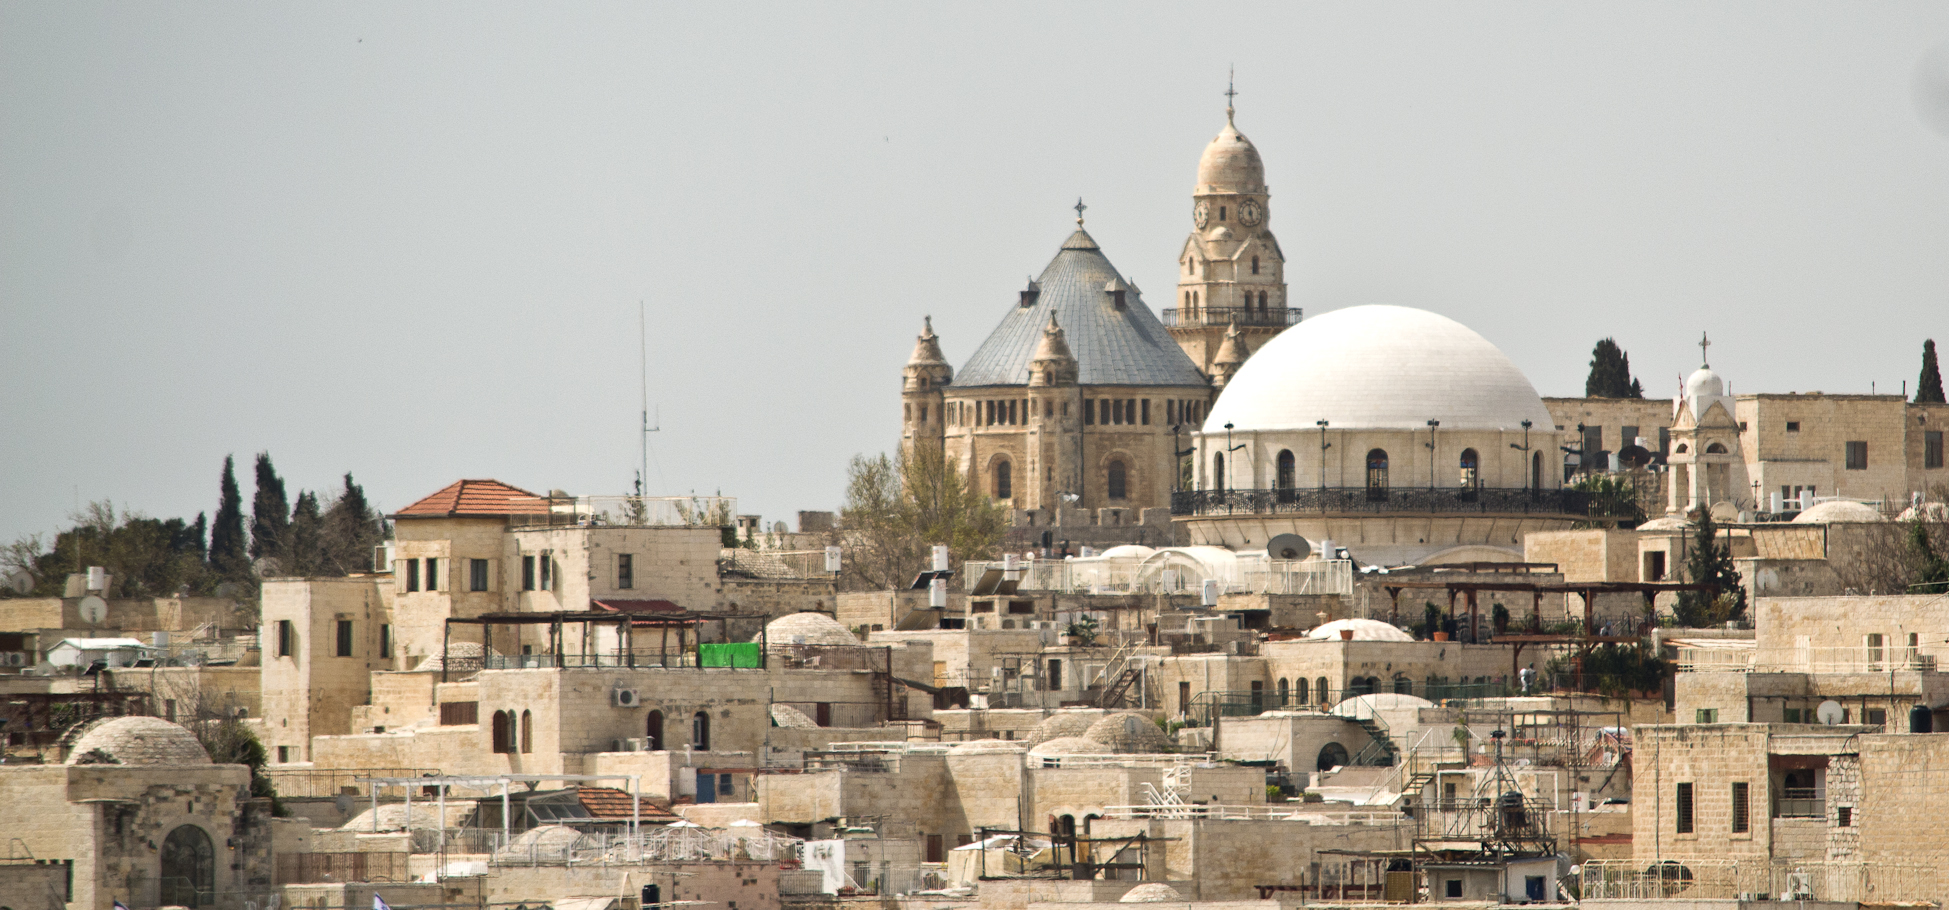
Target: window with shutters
[(625, 571), (1685, 808), (527, 573), (476, 574), (459, 713), (1740, 819), (1857, 456), (344, 638), (412, 575)]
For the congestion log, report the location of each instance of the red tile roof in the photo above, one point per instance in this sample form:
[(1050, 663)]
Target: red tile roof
[(485, 498), (609, 802)]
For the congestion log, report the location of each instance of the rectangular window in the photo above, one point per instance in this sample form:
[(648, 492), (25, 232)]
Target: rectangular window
[(1790, 715), (1654, 566), (625, 570), (1170, 411), (1932, 449), (1740, 824), (547, 571), (1875, 717), (287, 639), (1089, 413), (432, 574), (1793, 426), (1184, 698), (1876, 650), (1684, 808), (412, 575), (1628, 438), (527, 573), (477, 575), (1454, 887), (1103, 411), (385, 640), (344, 638), (1011, 412), (1844, 816), (459, 713), (1705, 716), (283, 755), (936, 848), (1857, 456)]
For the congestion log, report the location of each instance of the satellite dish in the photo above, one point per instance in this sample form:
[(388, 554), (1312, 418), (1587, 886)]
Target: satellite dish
[(1288, 546), (266, 567), (1634, 456), (93, 610), (1830, 713)]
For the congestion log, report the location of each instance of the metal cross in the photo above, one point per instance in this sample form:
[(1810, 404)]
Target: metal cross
[(1229, 90), (1704, 344), (1079, 209)]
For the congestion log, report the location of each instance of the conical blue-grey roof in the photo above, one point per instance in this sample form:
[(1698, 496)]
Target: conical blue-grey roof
[(1113, 346)]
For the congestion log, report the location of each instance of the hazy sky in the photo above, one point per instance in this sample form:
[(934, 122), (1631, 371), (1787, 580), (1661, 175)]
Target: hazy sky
[(408, 240)]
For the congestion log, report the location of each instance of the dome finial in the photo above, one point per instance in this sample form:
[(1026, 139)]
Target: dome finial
[(1705, 345), (1230, 91), (1079, 211)]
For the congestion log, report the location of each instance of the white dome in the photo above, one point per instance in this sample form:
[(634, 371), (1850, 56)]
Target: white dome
[(806, 629), (1128, 551), (1151, 893), (1704, 382), (1379, 367), (1363, 630), (1837, 511)]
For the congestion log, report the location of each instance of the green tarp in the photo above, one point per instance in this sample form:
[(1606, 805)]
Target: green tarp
[(742, 654)]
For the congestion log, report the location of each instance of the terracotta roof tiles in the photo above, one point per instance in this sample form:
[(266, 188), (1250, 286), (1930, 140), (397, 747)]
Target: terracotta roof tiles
[(483, 498)]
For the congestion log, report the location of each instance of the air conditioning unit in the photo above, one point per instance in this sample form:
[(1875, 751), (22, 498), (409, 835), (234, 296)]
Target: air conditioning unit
[(14, 658), (624, 698)]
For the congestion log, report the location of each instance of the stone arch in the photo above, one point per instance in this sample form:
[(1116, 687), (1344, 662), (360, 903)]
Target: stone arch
[(1323, 691), (1286, 475), (653, 731), (700, 731), (1332, 755), (1377, 474), (1299, 690), (1471, 471), (501, 732), (1285, 692), (1001, 478), (189, 868), (1717, 448), (527, 732), (1116, 480)]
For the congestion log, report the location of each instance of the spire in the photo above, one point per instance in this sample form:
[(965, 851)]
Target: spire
[(1231, 91), (1231, 355), (1052, 363), (1079, 211), (927, 348)]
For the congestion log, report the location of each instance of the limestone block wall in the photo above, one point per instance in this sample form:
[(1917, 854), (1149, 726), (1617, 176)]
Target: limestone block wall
[(733, 885), (1710, 758), (1294, 740), (313, 689), (1814, 452), (1055, 792), (399, 699), (1224, 859), (1596, 554), (1783, 624), (421, 616), (1901, 804)]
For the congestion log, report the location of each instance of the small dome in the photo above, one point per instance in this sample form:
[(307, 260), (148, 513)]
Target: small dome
[(1837, 511), (1363, 630), (1150, 893), (137, 741), (1128, 551), (1379, 367), (1062, 723), (806, 629), (978, 746), (1365, 705), (1219, 233), (1230, 164), (1668, 523), (791, 718), (1704, 382), (1070, 745), (1128, 732), (541, 844)]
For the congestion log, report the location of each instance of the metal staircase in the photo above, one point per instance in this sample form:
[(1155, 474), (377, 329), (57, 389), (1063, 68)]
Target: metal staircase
[(1121, 675)]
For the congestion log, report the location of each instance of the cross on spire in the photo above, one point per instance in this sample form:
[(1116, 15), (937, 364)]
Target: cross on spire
[(1079, 211), (1704, 348), (1230, 92)]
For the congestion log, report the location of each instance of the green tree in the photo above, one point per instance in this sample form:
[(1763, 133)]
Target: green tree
[(305, 552), (227, 541), (352, 529), (147, 557), (270, 513), (896, 509), (1929, 387), (1710, 564), (1610, 373), (1613, 498)]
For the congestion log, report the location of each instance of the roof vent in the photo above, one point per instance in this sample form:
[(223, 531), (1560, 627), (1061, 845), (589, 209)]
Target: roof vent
[(1030, 293)]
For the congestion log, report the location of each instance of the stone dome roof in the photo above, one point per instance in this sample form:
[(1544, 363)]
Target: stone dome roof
[(977, 746), (1150, 893), (138, 741), (1128, 732), (465, 654), (1230, 164), (1128, 551), (1062, 723), (1838, 511), (791, 718), (1363, 630), (1668, 523), (1070, 745), (1379, 367), (806, 629)]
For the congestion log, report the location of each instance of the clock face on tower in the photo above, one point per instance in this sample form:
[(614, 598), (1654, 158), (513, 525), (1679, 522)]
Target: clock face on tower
[(1249, 213), (1201, 214)]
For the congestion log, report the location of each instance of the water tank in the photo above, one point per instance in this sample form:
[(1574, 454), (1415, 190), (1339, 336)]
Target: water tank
[(1920, 720)]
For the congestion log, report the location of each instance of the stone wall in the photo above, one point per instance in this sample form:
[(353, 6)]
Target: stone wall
[(313, 690)]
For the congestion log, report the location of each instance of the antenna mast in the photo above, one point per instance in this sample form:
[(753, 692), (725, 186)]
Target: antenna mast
[(643, 344)]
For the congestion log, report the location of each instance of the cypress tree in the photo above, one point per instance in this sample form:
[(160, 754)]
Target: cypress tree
[(270, 512), (227, 557), (305, 552), (351, 530), (1610, 373), (1710, 563), (1929, 387)]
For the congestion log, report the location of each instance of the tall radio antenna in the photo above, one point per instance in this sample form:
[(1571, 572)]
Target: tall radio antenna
[(643, 344)]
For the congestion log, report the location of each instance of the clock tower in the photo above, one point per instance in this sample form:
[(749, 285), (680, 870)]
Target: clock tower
[(1230, 270)]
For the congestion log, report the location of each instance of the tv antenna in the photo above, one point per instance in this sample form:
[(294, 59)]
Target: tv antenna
[(643, 344)]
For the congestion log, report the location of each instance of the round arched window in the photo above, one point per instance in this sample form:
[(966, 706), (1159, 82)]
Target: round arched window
[(1118, 480)]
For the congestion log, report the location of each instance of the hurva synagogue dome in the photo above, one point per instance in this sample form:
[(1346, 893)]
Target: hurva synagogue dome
[(1396, 433)]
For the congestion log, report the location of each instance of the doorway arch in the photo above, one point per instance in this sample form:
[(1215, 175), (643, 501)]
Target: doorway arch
[(189, 867), (1377, 475)]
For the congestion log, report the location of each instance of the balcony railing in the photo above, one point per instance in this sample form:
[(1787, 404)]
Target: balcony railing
[(1492, 501), (1225, 315), (1800, 802)]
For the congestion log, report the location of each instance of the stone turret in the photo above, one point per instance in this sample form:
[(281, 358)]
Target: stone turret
[(1052, 364), (1231, 355), (927, 368), (925, 377)]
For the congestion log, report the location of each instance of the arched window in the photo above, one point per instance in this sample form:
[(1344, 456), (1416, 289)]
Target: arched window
[(1536, 470), (1332, 755), (527, 732), (189, 868), (1377, 475), (653, 731), (1682, 449), (1218, 471), (1362, 685), (700, 731), (1255, 265), (1320, 690), (1471, 478), (1285, 692), (1004, 480), (502, 733), (1715, 449), (1403, 685), (1299, 691), (1286, 478), (1118, 480)]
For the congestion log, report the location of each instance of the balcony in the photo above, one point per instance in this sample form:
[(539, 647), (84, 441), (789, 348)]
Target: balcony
[(1189, 317), (1360, 500), (1800, 802)]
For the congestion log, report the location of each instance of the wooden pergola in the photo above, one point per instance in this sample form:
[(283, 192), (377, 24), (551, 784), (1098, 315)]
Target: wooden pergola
[(1587, 590), (625, 621)]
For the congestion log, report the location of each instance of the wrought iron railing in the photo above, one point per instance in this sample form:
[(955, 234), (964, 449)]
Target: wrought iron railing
[(1495, 501), (1225, 315)]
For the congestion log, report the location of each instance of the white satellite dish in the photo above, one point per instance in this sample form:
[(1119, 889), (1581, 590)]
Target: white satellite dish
[(1289, 546), (1830, 713), (93, 610)]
